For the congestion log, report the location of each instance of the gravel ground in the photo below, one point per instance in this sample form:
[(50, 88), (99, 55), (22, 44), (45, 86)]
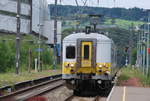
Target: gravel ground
[(62, 93), (59, 95), (87, 99)]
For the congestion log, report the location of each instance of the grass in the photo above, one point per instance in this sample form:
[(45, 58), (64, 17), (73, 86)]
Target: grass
[(125, 24), (12, 78), (121, 23), (128, 72), (7, 72)]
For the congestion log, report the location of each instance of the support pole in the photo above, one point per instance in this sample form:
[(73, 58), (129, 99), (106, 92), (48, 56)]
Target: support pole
[(18, 37), (139, 57), (31, 16), (39, 49), (40, 33), (147, 65), (29, 51), (29, 59), (144, 49), (131, 44), (141, 51), (137, 51), (144, 55), (55, 36)]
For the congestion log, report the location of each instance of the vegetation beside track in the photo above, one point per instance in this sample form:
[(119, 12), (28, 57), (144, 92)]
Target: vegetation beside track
[(28, 52), (132, 72), (12, 78)]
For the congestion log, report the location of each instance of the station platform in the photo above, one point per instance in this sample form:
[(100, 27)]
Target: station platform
[(119, 93)]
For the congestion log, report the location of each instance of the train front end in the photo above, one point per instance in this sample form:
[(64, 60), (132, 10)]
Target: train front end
[(87, 61)]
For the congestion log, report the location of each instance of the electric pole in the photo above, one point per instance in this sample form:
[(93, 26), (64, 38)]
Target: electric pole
[(55, 35), (30, 16), (139, 59), (131, 43), (18, 37), (147, 65), (138, 51), (144, 51), (30, 52), (40, 33), (141, 51)]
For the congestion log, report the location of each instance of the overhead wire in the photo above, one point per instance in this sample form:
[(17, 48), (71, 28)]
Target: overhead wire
[(114, 3), (84, 2), (77, 2), (83, 6), (60, 1), (81, 9), (98, 1)]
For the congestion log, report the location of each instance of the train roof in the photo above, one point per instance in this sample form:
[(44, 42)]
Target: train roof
[(75, 36)]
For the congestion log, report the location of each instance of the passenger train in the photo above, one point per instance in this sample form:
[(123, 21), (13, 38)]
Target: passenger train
[(89, 61)]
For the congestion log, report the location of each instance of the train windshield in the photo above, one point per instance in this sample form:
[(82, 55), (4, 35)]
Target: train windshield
[(86, 52), (70, 52)]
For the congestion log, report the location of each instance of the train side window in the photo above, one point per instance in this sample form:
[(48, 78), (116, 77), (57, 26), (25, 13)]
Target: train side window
[(70, 52), (86, 52)]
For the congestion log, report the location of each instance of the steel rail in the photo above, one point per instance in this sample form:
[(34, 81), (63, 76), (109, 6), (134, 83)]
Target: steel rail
[(47, 86), (69, 98), (39, 92), (25, 84)]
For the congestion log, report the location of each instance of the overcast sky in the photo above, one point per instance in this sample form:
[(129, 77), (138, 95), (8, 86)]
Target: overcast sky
[(110, 3)]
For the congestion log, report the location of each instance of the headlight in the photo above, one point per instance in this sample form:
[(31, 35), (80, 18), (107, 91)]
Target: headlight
[(99, 81), (100, 66), (71, 65)]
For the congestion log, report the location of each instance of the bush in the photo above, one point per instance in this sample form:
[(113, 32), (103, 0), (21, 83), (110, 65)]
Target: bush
[(8, 53), (7, 56)]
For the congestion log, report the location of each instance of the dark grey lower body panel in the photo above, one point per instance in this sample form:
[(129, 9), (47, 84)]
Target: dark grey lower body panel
[(102, 77), (69, 76), (96, 77)]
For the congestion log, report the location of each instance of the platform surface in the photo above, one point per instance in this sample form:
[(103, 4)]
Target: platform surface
[(129, 94)]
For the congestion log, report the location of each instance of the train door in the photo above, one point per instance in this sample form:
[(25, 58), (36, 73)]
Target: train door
[(86, 54)]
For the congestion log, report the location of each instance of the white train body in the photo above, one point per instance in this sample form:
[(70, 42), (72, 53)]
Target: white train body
[(89, 57)]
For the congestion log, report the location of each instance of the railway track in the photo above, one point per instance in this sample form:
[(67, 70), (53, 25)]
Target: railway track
[(35, 90), (101, 97), (69, 98)]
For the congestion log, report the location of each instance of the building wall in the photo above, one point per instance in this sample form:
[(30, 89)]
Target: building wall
[(8, 23), (40, 14), (41, 17), (8, 10), (41, 22), (49, 31), (11, 6)]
